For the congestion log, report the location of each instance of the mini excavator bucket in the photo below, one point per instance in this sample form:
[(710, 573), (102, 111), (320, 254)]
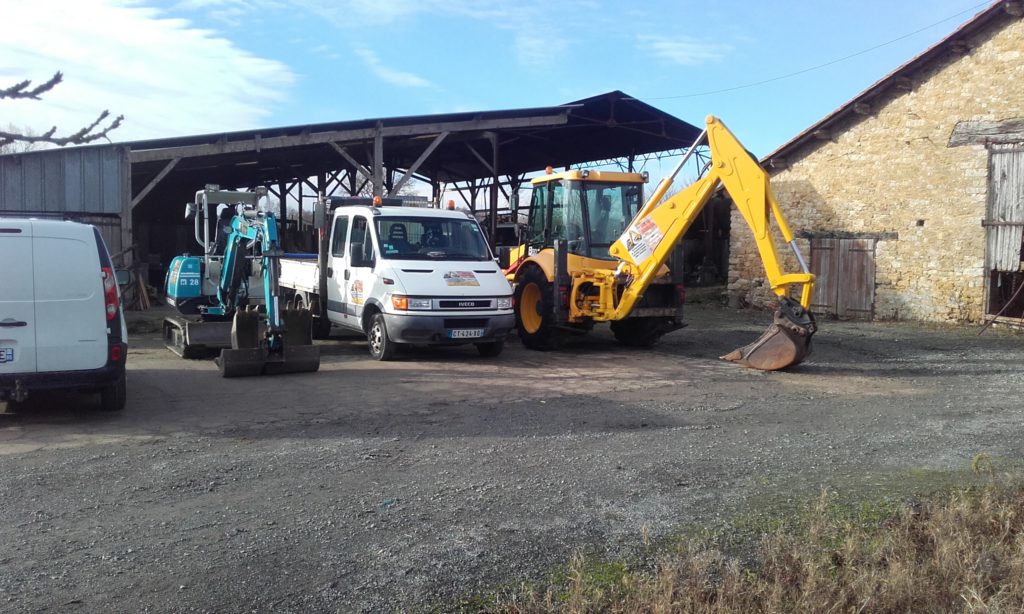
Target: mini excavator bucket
[(787, 341), (297, 354), (250, 355)]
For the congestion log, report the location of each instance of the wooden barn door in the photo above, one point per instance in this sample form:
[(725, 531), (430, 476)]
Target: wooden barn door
[(845, 271), (1004, 228)]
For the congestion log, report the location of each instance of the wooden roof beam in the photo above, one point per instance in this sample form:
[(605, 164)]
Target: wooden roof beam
[(361, 134), (419, 161)]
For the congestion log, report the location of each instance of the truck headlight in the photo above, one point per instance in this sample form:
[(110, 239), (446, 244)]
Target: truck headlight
[(504, 302), (403, 302)]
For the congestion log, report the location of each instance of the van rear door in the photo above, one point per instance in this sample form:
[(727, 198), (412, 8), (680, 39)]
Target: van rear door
[(17, 298), (71, 333)]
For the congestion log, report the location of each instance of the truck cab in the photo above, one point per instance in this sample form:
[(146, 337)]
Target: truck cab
[(407, 275)]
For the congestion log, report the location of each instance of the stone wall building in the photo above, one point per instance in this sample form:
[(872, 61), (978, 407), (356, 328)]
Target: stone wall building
[(909, 199)]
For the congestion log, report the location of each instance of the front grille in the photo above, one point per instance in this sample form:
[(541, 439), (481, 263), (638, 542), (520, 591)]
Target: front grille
[(481, 303), (465, 322)]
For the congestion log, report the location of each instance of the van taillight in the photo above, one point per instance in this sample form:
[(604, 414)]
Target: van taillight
[(680, 294), (110, 292)]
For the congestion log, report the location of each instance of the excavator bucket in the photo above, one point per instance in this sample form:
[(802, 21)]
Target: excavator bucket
[(245, 357), (298, 354), (250, 356), (787, 341)]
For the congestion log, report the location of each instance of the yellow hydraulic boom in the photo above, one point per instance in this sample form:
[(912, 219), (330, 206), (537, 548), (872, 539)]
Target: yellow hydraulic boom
[(613, 293), (646, 245), (648, 241)]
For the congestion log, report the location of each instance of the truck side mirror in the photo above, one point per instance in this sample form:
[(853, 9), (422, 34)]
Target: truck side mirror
[(320, 213), (123, 277)]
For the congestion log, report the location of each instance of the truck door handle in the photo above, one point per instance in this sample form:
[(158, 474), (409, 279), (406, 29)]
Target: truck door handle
[(12, 323), (347, 273), (330, 272)]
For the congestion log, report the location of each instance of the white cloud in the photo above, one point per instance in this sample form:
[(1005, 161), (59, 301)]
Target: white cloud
[(533, 24), (390, 75), (538, 50), (682, 49), (166, 76)]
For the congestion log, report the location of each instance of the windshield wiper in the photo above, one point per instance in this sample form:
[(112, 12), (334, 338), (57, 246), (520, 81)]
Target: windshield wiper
[(438, 253)]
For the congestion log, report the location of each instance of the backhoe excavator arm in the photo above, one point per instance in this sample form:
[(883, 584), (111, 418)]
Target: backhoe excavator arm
[(649, 239), (651, 236)]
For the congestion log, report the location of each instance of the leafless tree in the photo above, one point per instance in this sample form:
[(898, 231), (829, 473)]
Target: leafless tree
[(24, 90), (18, 146)]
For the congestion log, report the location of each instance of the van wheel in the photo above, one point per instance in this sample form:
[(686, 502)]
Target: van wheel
[(381, 348), (114, 396), (490, 350)]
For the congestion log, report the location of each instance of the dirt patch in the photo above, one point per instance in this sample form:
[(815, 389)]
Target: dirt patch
[(381, 486)]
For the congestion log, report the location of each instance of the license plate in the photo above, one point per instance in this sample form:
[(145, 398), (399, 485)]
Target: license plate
[(6, 355), (465, 333)]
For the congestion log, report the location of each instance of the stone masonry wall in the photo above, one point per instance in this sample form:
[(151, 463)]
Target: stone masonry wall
[(884, 172)]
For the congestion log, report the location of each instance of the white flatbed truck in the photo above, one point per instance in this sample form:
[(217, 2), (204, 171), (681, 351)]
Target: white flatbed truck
[(401, 275)]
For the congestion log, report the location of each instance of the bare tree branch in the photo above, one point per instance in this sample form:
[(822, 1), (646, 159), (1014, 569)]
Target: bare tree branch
[(88, 134), (20, 90)]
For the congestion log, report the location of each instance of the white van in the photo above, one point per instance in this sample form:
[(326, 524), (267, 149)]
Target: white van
[(61, 324)]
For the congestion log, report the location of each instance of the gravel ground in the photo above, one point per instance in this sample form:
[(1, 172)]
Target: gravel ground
[(399, 486)]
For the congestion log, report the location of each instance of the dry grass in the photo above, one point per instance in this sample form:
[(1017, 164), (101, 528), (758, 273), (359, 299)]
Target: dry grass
[(959, 552)]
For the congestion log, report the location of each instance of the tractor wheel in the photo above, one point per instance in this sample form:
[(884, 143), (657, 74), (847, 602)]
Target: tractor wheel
[(534, 306)]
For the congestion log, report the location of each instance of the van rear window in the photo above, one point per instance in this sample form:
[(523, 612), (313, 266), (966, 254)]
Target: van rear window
[(69, 271)]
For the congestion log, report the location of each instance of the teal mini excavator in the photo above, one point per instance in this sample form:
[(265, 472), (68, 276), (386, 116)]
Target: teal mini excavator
[(228, 297)]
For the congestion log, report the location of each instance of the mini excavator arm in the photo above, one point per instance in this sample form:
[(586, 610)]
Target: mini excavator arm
[(260, 229), (287, 345)]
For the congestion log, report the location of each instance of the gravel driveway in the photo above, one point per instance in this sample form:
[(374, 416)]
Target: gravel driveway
[(393, 486)]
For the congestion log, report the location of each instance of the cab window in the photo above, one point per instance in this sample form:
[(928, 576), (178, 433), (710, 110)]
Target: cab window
[(361, 242), (338, 238)]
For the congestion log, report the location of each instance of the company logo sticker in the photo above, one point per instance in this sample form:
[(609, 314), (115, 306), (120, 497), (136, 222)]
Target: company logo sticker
[(460, 278)]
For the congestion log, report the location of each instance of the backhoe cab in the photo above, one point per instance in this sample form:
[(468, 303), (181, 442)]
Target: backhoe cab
[(592, 253)]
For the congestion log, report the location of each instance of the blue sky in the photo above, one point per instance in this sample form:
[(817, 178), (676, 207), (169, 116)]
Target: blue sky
[(178, 67)]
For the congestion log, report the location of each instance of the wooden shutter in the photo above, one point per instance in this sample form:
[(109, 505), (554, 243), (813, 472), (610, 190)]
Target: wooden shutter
[(825, 266), (856, 298)]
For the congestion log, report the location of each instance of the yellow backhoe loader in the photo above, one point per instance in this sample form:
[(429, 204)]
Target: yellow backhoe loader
[(590, 255)]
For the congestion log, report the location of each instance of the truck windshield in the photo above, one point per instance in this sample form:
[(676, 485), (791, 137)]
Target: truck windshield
[(431, 238)]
